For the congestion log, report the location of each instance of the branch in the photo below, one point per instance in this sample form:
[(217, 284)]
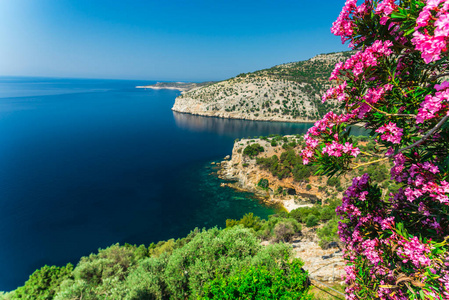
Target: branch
[(391, 115), (369, 163), (438, 76), (425, 137)]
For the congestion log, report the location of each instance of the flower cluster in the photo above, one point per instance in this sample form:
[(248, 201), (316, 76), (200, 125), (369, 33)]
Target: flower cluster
[(432, 106), (344, 25), (391, 133), (358, 63), (337, 92), (436, 15), (324, 129), (415, 252), (385, 9), (396, 244)]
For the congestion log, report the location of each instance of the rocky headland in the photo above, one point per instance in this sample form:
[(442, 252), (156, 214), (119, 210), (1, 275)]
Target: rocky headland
[(289, 93), (244, 173), (180, 86)]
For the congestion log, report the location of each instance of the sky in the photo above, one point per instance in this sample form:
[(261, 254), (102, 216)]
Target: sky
[(195, 40)]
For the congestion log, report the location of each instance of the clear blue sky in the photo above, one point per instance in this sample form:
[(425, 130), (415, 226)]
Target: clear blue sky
[(193, 40)]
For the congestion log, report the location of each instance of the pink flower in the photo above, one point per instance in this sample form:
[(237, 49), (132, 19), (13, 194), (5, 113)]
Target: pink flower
[(444, 85), (442, 26), (415, 252), (430, 46), (391, 133), (385, 9), (433, 105), (423, 18)]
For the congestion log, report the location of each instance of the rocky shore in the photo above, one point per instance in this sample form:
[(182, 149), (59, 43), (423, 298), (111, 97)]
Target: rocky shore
[(244, 174)]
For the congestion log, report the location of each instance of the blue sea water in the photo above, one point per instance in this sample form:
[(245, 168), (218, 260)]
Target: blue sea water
[(88, 163)]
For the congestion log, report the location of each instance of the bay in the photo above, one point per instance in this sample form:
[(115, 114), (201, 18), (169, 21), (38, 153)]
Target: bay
[(88, 163)]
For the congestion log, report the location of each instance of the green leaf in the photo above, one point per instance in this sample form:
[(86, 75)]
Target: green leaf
[(408, 32)]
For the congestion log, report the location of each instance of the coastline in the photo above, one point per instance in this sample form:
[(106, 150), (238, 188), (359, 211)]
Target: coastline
[(243, 117), (161, 88), (245, 175)]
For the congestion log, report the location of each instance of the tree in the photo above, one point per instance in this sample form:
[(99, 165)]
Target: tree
[(396, 245)]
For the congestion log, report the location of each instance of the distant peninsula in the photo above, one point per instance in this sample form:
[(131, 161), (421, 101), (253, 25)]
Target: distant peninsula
[(289, 92), (180, 86)]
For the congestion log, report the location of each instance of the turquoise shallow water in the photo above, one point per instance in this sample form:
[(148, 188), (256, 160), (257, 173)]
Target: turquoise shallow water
[(88, 163)]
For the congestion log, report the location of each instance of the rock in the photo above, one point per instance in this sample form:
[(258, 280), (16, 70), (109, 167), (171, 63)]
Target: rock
[(325, 265), (212, 163), (227, 157)]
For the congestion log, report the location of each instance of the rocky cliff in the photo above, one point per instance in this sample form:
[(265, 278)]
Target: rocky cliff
[(245, 174), (288, 92)]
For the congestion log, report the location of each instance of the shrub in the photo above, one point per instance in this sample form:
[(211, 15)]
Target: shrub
[(44, 283), (257, 282), (248, 221), (198, 260), (253, 150), (311, 221), (328, 233), (263, 183), (283, 232)]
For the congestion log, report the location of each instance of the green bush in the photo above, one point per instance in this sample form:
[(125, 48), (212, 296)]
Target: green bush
[(328, 233), (333, 181), (44, 283), (327, 213), (114, 261), (253, 150), (248, 221), (257, 282), (193, 263), (283, 232), (263, 183), (311, 221), (301, 214)]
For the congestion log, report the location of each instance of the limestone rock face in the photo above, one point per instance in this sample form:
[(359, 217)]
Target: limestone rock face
[(324, 265)]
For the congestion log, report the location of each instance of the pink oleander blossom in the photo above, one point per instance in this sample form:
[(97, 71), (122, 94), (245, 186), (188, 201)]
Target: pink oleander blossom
[(337, 92), (432, 46), (336, 72), (432, 106), (374, 95), (390, 133), (429, 46), (344, 25), (385, 8), (414, 251)]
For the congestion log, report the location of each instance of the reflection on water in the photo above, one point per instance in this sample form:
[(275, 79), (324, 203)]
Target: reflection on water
[(244, 128), (236, 127)]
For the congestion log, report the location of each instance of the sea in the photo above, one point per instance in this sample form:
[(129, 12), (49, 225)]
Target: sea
[(87, 163)]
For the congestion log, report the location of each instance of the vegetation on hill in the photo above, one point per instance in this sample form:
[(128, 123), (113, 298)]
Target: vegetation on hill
[(290, 92)]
